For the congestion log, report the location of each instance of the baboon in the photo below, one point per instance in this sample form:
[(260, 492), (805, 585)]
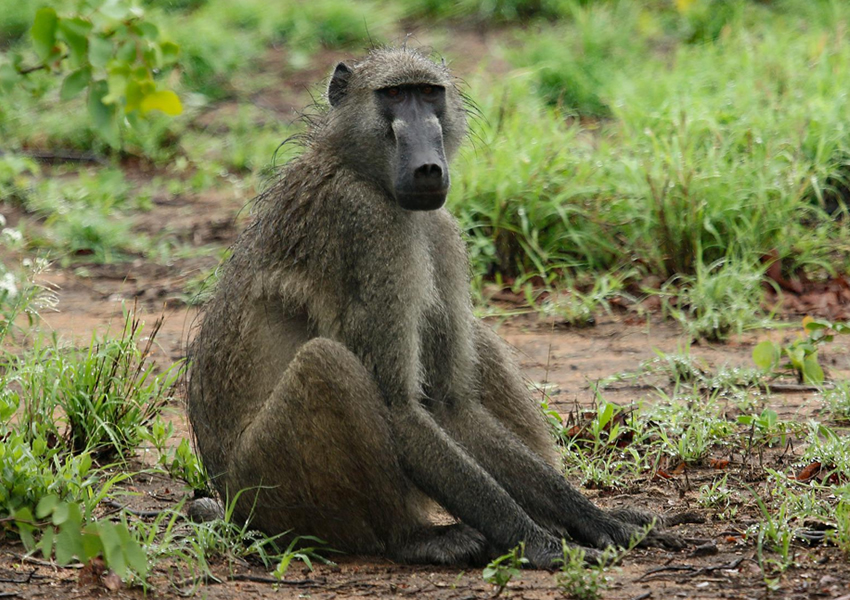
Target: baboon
[(339, 376)]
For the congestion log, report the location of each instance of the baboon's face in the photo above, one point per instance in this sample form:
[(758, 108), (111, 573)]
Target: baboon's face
[(396, 118), (414, 114)]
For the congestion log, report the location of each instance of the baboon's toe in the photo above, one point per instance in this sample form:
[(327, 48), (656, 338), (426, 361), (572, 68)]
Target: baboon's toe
[(664, 539)]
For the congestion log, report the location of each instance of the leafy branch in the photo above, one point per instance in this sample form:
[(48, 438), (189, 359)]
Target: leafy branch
[(107, 49)]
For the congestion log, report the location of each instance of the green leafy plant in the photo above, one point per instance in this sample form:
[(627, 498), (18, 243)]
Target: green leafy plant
[(578, 580), (297, 550), (505, 568), (107, 49), (837, 400), (67, 533), (767, 428), (802, 353)]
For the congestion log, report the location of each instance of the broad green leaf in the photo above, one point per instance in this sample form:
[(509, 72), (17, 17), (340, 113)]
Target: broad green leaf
[(24, 522), (796, 356), (133, 552), (45, 544), (768, 418), (147, 30), (812, 371), (811, 324), (74, 32), (115, 9), (25, 532), (43, 32), (104, 117), (127, 52), (92, 544), (9, 77), (765, 355), (100, 51), (133, 96), (113, 553), (170, 52), (164, 100), (117, 84), (46, 506), (61, 513), (75, 83), (69, 544), (85, 462)]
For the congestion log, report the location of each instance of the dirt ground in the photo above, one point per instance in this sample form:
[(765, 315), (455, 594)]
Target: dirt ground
[(567, 360)]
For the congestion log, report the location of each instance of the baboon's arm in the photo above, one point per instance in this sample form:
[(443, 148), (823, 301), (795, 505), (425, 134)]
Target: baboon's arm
[(543, 493), (444, 471)]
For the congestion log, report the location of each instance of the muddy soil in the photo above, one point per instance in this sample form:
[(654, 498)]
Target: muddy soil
[(564, 362)]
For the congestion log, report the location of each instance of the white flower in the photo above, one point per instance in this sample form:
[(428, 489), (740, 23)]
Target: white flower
[(8, 285), (12, 235), (2, 220)]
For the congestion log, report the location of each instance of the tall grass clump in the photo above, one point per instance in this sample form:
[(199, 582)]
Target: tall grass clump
[(523, 193), (710, 151), (575, 61), (222, 39), (488, 10), (98, 400)]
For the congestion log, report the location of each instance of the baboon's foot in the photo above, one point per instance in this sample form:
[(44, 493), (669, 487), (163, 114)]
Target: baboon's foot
[(552, 560), (456, 544), (637, 516), (657, 536), (663, 539)]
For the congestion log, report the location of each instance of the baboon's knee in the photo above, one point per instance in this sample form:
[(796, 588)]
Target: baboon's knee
[(325, 367)]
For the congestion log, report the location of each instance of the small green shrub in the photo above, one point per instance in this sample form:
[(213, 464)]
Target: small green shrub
[(719, 299), (107, 393), (502, 570)]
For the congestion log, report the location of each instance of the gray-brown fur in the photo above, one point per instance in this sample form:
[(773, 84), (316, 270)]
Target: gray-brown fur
[(340, 377)]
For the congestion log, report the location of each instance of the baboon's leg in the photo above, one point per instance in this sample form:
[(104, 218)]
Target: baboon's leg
[(446, 544), (505, 394), (322, 448)]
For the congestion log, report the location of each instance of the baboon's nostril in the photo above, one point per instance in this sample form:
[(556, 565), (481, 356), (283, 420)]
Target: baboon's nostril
[(428, 171)]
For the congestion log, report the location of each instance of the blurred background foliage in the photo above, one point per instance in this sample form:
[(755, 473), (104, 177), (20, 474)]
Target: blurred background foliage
[(676, 141)]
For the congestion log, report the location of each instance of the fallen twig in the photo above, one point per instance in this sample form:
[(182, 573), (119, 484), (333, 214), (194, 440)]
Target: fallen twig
[(44, 563), (145, 514), (694, 571), (209, 579), (27, 579)]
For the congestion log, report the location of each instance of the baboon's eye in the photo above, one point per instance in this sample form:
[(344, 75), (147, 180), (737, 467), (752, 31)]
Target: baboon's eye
[(393, 92), (430, 93)]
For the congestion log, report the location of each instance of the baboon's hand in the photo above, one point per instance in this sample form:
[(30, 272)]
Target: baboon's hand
[(547, 554), (551, 560)]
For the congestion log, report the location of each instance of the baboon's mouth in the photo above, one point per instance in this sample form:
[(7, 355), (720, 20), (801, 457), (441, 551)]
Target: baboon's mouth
[(422, 200)]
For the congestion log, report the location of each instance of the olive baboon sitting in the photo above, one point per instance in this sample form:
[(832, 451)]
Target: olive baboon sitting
[(339, 373)]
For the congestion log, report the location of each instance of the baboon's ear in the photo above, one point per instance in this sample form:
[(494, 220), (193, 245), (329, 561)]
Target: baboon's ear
[(339, 84)]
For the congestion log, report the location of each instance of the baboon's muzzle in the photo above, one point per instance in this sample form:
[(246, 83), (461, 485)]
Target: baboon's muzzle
[(422, 179)]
